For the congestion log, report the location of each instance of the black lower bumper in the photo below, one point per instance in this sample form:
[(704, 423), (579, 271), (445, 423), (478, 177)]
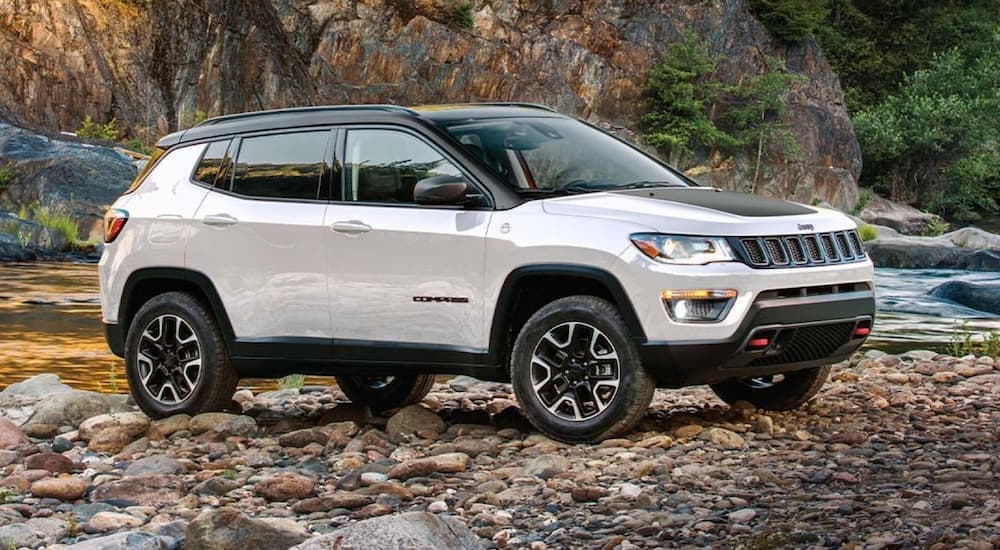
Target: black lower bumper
[(803, 332), (115, 337)]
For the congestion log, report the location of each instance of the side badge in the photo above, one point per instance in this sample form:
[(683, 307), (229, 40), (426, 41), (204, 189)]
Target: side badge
[(505, 228)]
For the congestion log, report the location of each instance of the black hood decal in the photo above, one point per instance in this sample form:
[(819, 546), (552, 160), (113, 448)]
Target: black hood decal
[(741, 204)]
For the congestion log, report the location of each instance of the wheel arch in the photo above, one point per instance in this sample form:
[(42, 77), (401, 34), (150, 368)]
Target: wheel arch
[(510, 312), (144, 284)]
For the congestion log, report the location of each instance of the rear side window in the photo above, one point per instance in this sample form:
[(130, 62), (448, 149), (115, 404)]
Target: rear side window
[(150, 163), (212, 163), (282, 166)]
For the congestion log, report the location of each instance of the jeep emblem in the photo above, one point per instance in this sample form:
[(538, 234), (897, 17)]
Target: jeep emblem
[(806, 227)]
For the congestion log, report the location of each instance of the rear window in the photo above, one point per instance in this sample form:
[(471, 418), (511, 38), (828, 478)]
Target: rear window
[(283, 166), (212, 163), (146, 169)]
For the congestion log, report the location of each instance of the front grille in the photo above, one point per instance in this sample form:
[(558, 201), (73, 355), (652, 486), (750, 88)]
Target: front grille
[(808, 344), (800, 250)]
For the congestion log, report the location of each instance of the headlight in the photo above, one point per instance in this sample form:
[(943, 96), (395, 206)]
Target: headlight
[(683, 249)]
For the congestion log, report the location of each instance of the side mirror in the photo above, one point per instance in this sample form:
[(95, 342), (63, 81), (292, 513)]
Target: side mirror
[(441, 190)]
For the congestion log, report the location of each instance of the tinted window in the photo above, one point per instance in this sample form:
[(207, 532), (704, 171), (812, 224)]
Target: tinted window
[(286, 166), (211, 163), (384, 166)]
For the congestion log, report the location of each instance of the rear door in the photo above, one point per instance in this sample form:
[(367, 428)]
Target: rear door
[(403, 277), (260, 238)]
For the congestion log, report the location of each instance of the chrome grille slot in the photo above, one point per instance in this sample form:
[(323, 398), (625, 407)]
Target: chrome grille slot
[(812, 246), (795, 250), (776, 252), (754, 251), (845, 247), (829, 247), (859, 249)]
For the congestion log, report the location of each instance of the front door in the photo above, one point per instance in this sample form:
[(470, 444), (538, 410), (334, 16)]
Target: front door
[(405, 280)]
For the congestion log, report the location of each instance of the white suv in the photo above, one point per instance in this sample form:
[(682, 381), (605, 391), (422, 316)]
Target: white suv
[(386, 245)]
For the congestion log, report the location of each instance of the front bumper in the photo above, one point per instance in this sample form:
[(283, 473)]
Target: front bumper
[(115, 337), (806, 331)]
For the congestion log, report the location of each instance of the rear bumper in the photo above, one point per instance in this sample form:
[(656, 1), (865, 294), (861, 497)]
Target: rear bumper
[(804, 332), (115, 337)]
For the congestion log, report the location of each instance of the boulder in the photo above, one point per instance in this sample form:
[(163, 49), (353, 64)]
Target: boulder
[(223, 425), (546, 466), (156, 464), (980, 296), (414, 419), (10, 434), (34, 533), (62, 488), (968, 248), (286, 486), (132, 423), (126, 541), (72, 408), (42, 385), (143, 490), (51, 462), (80, 180), (412, 530), (901, 217), (446, 463), (228, 529)]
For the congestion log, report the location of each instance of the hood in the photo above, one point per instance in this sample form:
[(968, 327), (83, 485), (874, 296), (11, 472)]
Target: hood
[(701, 211)]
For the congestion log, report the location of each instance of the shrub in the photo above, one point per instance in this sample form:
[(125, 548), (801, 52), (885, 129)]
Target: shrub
[(7, 175), (864, 199), (461, 16), (790, 20), (291, 382), (867, 232), (57, 221), (95, 130), (936, 227), (966, 342), (136, 144)]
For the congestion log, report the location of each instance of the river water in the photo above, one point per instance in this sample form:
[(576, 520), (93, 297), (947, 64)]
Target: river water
[(50, 321)]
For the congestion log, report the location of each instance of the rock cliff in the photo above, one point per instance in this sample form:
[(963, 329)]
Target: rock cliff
[(156, 65)]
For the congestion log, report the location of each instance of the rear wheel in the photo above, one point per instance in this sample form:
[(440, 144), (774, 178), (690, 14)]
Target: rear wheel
[(175, 358), (779, 392), (577, 373), (386, 392)]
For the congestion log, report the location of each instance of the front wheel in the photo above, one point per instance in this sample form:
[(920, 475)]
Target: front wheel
[(175, 358), (381, 393), (778, 392), (577, 373)]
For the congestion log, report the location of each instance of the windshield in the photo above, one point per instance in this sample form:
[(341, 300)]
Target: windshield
[(557, 154)]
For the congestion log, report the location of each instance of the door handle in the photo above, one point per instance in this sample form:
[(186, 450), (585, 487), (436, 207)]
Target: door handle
[(219, 220), (352, 227)]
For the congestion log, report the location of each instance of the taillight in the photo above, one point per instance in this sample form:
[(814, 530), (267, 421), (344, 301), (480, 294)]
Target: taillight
[(114, 222)]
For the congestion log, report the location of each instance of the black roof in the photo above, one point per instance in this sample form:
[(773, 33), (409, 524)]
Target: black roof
[(339, 114)]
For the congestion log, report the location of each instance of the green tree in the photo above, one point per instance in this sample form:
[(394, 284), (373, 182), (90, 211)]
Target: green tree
[(681, 93), (790, 20), (935, 142), (691, 113)]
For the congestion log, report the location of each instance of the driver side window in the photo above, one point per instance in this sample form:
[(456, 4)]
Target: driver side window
[(385, 165)]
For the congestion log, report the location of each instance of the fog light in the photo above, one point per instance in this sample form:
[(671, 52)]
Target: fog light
[(694, 306)]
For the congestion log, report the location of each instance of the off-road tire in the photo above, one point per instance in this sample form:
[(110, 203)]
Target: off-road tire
[(401, 391), (636, 386), (795, 390), (214, 390)]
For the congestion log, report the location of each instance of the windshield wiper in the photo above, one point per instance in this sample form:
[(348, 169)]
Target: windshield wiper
[(649, 185)]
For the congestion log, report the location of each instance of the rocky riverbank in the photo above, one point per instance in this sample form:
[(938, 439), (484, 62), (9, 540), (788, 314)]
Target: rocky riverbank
[(896, 451)]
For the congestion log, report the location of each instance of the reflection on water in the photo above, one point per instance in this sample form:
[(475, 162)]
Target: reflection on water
[(50, 321), (909, 317)]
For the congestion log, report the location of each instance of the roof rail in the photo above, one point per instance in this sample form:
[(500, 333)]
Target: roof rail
[(294, 110), (517, 104)]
